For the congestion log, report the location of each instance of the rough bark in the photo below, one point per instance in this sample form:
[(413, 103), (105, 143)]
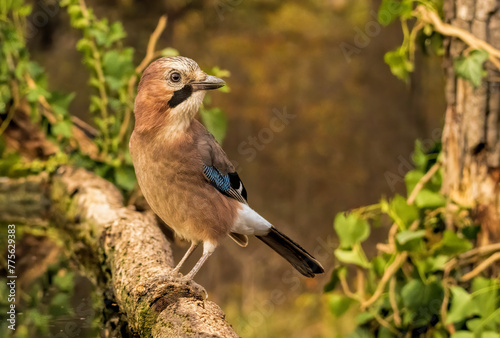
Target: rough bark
[(471, 136), (124, 251)]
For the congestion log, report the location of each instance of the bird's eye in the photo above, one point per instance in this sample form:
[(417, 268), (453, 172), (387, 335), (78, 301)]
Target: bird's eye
[(175, 77)]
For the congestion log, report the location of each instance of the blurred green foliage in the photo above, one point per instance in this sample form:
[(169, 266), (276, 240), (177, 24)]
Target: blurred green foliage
[(23, 81), (112, 75), (418, 281), (49, 304), (470, 67), (401, 60)]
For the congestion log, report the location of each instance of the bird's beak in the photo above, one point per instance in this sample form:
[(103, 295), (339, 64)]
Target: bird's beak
[(210, 82)]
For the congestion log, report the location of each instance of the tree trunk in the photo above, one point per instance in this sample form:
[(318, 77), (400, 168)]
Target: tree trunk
[(471, 137)]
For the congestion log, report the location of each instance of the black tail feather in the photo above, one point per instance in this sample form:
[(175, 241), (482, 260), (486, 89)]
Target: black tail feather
[(292, 252)]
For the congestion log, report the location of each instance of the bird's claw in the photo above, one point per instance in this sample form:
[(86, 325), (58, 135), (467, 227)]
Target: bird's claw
[(195, 286), (180, 279)]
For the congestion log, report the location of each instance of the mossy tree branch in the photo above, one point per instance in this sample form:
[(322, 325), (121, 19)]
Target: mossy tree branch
[(129, 252)]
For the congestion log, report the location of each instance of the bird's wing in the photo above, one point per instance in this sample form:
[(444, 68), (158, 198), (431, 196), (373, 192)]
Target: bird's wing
[(218, 170)]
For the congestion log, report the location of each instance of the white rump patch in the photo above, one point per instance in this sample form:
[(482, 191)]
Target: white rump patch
[(249, 222)]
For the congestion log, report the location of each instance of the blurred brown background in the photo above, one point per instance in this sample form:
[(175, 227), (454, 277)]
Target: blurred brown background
[(351, 123)]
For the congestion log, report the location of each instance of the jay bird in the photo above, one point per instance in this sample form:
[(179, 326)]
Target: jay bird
[(184, 174)]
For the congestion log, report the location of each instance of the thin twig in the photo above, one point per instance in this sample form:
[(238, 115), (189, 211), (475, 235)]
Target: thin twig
[(430, 16), (444, 306), (385, 323), (386, 248), (102, 80), (392, 300), (482, 250), (46, 111), (448, 267), (345, 288), (150, 51), (391, 270), (428, 175), (413, 36), (150, 55), (484, 265), (469, 256), (84, 142), (392, 236), (414, 225)]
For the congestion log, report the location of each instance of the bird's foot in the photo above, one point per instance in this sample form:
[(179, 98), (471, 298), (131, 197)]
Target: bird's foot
[(197, 288), (184, 280)]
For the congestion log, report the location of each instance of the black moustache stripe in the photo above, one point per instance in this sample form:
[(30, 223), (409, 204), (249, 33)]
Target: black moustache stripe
[(180, 96)]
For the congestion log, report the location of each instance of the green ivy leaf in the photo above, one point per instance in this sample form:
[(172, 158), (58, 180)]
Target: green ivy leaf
[(389, 10), (100, 36), (63, 129), (35, 70), (352, 257), (339, 304), (400, 65), (60, 102), (429, 199), (451, 244), (64, 282), (471, 232), (24, 10), (437, 263), (419, 157), (125, 177), (34, 93), (351, 229), (412, 177), (364, 317), (118, 67), (103, 170), (461, 305), (402, 213), (225, 89), (361, 332), (462, 334), (216, 122), (378, 265), (485, 297), (169, 52), (84, 45), (470, 67), (116, 32), (334, 278), (405, 236), (384, 332), (489, 334), (422, 300), (216, 71)]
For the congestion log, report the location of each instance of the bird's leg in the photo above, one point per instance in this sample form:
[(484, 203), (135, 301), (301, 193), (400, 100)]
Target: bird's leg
[(191, 249), (208, 249)]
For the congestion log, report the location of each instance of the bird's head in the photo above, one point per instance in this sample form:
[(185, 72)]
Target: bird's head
[(170, 93)]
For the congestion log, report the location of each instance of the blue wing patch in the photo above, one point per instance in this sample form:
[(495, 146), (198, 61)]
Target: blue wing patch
[(221, 182), (229, 184)]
